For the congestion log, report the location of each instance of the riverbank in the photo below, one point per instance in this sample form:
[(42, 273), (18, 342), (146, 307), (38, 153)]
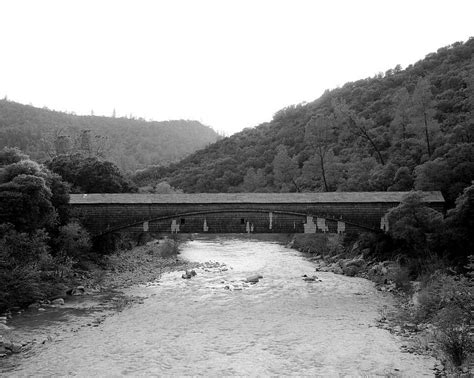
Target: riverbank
[(433, 314), (281, 325), (93, 294)]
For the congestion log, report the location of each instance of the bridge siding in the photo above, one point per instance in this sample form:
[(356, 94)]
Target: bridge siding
[(98, 217)]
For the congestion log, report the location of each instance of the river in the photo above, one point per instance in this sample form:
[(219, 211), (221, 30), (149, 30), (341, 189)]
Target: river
[(216, 324)]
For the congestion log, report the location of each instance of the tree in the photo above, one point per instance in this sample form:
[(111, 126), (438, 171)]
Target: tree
[(25, 202), (423, 111), (285, 170), (10, 155), (401, 118), (311, 174), (457, 239), (59, 196), (254, 180), (450, 173), (403, 180), (162, 187), (318, 134), (90, 175), (53, 188), (355, 125), (382, 177), (411, 221), (357, 174)]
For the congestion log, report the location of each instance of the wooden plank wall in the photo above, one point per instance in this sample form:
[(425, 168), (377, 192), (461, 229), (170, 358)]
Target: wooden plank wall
[(227, 218)]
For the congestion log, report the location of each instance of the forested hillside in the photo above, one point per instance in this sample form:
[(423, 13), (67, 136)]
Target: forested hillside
[(129, 143), (404, 129)]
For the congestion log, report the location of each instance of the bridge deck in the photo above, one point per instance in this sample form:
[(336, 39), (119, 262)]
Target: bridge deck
[(239, 212)]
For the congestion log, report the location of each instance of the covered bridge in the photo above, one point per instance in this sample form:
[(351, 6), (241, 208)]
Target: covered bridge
[(334, 212)]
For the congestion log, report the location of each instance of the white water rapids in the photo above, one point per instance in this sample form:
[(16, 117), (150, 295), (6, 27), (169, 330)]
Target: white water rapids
[(280, 326)]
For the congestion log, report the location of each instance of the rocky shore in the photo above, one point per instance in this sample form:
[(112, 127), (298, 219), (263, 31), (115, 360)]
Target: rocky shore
[(419, 336), (98, 291)]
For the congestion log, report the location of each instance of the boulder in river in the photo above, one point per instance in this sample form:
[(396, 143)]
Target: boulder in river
[(58, 301), (311, 278), (254, 278), (188, 274), (14, 347)]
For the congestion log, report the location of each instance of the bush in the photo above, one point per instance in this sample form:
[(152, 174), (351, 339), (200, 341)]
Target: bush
[(73, 241), (453, 333), (19, 287), (441, 290), (169, 248), (400, 276), (447, 302), (21, 249), (311, 243)]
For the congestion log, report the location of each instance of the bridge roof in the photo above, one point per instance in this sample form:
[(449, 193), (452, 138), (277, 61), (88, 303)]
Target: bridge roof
[(209, 198)]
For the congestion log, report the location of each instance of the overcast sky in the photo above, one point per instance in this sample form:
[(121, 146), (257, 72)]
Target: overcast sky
[(228, 64)]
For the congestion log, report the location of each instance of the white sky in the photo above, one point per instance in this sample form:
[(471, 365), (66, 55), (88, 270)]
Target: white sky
[(229, 64)]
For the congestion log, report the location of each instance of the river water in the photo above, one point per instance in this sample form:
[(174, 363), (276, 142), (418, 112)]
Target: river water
[(216, 324)]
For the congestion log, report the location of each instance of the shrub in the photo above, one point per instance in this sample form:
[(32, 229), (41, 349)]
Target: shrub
[(21, 249), (400, 276), (447, 302), (311, 243), (440, 290), (73, 240), (453, 333), (169, 248), (423, 266), (19, 287)]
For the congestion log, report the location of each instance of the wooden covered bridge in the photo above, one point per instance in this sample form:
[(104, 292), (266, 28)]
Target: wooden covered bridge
[(334, 212)]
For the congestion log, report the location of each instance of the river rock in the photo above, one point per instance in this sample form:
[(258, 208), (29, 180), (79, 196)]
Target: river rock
[(14, 347), (188, 274), (79, 290), (254, 278), (58, 301), (411, 326)]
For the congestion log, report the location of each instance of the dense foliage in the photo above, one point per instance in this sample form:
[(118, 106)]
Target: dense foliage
[(90, 174), (129, 143), (38, 243), (400, 130)]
